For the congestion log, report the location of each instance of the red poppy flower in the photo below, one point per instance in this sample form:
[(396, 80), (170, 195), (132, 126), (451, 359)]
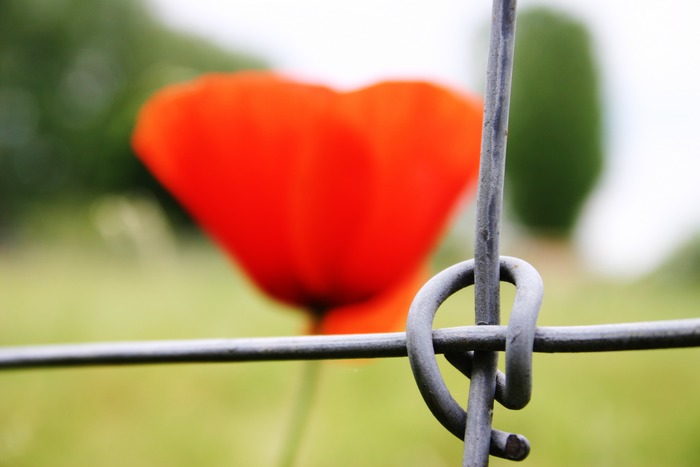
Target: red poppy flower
[(329, 201)]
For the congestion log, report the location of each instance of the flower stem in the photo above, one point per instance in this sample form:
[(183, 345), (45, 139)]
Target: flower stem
[(301, 412)]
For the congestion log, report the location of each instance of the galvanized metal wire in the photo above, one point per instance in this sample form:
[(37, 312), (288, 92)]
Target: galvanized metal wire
[(516, 389), (649, 335), (478, 435)]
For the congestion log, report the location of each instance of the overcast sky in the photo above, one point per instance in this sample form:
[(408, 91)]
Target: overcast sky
[(648, 199)]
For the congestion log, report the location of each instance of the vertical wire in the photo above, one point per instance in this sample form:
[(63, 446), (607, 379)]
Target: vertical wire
[(489, 207)]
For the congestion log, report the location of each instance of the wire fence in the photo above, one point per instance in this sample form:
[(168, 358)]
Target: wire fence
[(473, 350), (548, 339)]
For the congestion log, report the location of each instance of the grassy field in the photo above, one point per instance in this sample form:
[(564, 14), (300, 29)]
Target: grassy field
[(622, 409)]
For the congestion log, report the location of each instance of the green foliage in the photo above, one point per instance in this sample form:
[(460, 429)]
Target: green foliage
[(554, 146), (73, 74)]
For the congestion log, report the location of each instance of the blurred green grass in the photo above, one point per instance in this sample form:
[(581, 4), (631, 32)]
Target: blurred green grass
[(634, 408)]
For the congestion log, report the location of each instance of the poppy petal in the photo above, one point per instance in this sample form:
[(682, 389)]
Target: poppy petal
[(426, 143), (329, 201), (228, 150), (385, 312)]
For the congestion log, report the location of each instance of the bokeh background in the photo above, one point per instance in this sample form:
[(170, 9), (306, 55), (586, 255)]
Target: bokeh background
[(91, 249)]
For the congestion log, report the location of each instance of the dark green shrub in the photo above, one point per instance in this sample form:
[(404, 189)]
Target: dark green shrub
[(554, 145)]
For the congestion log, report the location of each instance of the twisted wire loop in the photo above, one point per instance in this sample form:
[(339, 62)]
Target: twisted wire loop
[(512, 391)]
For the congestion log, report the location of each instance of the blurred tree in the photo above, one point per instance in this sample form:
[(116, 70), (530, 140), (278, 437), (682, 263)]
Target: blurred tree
[(73, 74), (555, 145)]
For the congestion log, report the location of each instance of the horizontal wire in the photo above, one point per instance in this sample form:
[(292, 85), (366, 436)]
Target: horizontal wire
[(550, 339)]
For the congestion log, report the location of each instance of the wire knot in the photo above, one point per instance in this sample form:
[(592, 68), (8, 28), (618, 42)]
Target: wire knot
[(513, 391)]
